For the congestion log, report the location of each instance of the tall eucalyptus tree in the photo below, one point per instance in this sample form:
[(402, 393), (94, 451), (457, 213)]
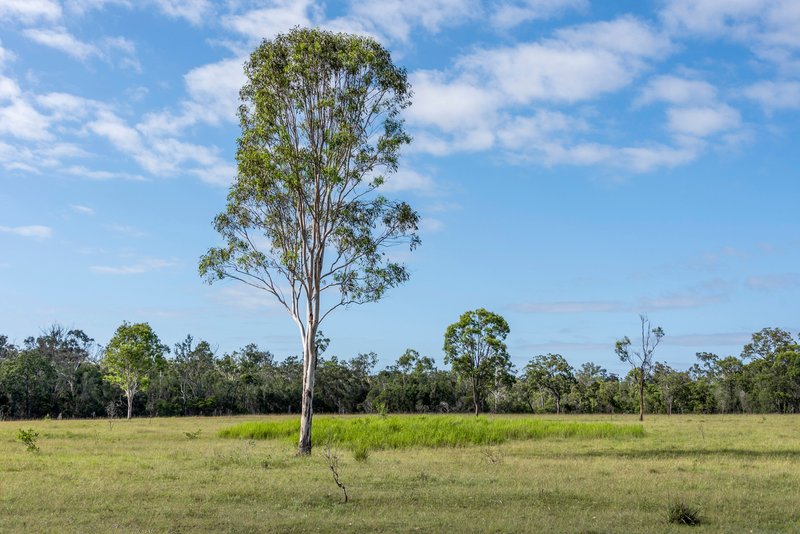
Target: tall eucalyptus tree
[(305, 220)]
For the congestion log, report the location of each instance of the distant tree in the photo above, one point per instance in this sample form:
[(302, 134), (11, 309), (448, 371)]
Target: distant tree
[(475, 348), (67, 351), (197, 375), (305, 219), (640, 358), (767, 342), (670, 383), (553, 373), (28, 379), (130, 356), (7, 350), (589, 379)]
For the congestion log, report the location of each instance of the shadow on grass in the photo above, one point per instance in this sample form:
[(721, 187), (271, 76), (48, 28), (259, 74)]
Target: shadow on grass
[(699, 453)]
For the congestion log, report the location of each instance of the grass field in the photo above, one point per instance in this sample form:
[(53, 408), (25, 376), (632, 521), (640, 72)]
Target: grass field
[(162, 475)]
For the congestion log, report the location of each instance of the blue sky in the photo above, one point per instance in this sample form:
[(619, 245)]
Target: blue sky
[(575, 163)]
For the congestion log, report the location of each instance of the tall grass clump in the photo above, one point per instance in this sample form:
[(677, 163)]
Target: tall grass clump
[(400, 432), (681, 513)]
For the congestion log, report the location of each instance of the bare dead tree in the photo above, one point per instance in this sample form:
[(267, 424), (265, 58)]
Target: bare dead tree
[(332, 457), (640, 359)]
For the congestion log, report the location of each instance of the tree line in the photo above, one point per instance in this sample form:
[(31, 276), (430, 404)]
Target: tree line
[(64, 373)]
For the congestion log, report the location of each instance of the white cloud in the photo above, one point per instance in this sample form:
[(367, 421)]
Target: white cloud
[(697, 341), (510, 14), (702, 294), (571, 307), (60, 39), (768, 27), (30, 10), (122, 136), (213, 91), (140, 267), (246, 298), (538, 130), (451, 105), (163, 156), (649, 158), (67, 107), (675, 90), (5, 55), (194, 11), (702, 121), (772, 282), (408, 180), (21, 120), (217, 173), (678, 302), (775, 95), (496, 97), (94, 174), (34, 231), (83, 210), (392, 20), (396, 19), (580, 63), (82, 6), (266, 22), (9, 89), (474, 106), (429, 224), (130, 231)]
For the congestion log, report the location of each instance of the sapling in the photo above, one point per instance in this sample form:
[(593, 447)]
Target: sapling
[(29, 438), (332, 457)]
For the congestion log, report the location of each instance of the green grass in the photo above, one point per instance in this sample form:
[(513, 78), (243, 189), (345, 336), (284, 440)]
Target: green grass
[(411, 431), (147, 475)]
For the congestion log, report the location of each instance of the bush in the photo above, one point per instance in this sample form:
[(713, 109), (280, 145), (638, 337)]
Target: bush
[(193, 435), (681, 513), (29, 438), (361, 453)]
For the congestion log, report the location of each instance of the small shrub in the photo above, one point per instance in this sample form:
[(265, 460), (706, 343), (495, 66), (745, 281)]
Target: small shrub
[(29, 438), (682, 514), (492, 456), (361, 453), (332, 457), (193, 435)]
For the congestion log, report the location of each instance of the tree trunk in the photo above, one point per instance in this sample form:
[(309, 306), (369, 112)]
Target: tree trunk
[(129, 394), (306, 410), (558, 404), (641, 398), (475, 400)]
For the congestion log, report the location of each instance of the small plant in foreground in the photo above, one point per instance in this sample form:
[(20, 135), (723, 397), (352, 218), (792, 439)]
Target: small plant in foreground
[(111, 412), (361, 453), (492, 456), (193, 435), (681, 513), (332, 457), (29, 438)]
